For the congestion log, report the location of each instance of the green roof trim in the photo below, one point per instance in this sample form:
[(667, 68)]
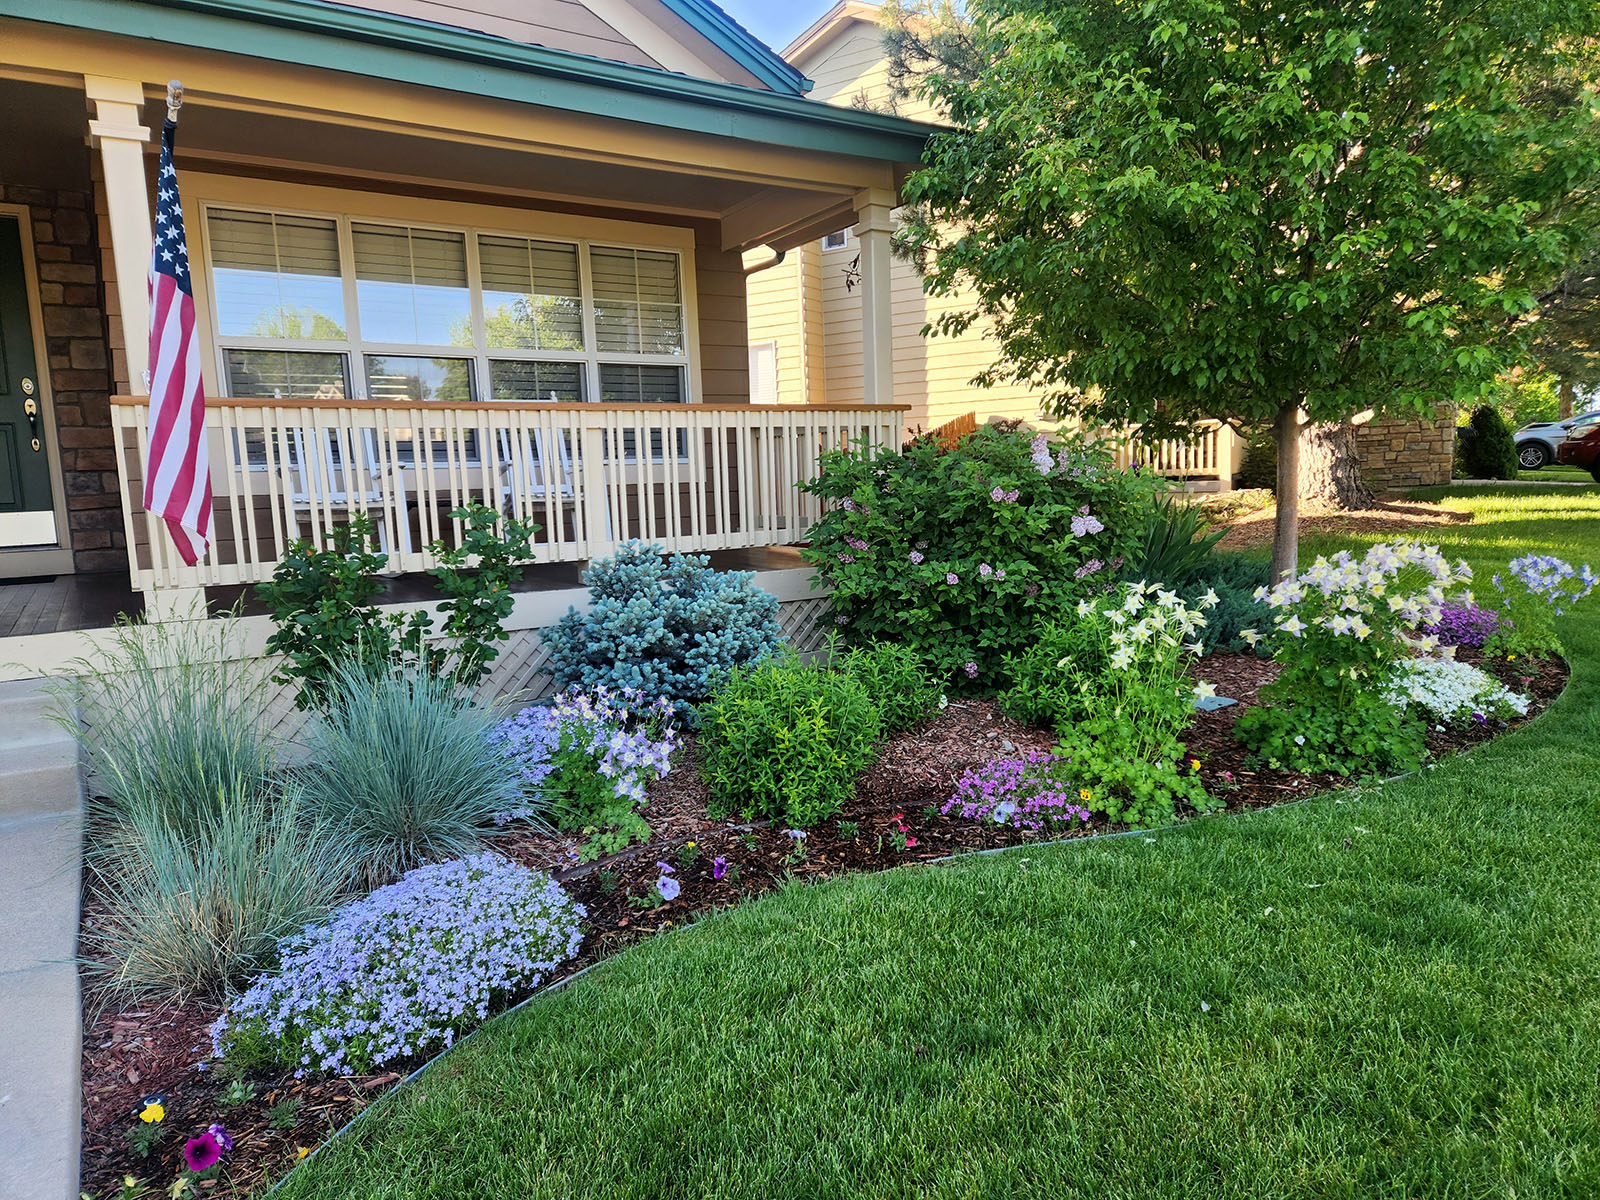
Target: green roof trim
[(382, 45), (739, 44)]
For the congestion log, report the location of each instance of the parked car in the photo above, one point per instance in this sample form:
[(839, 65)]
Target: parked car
[(1583, 451), (1536, 443)]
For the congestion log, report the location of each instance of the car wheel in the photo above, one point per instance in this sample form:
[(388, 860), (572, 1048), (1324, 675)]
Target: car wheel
[(1532, 455)]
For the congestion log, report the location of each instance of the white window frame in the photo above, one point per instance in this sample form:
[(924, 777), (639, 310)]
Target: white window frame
[(844, 240), (356, 349)]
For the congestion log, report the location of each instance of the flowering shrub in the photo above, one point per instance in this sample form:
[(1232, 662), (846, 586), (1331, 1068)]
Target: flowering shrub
[(404, 971), (1463, 625), (786, 739), (1455, 693), (666, 625), (960, 553), (1113, 683), (1020, 792), (594, 753), (1339, 630), (1542, 588)]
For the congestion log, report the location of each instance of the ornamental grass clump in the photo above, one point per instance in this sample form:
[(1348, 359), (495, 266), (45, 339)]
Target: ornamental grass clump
[(1453, 693), (666, 625), (586, 760), (404, 971), (402, 769), (194, 908), (1340, 630)]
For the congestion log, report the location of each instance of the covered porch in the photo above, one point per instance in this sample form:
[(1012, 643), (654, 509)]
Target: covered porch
[(430, 267)]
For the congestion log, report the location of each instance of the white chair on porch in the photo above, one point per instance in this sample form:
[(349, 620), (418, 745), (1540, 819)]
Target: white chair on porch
[(331, 472)]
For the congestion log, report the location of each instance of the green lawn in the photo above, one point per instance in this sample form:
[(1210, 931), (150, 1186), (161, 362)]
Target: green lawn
[(1556, 473), (1392, 993)]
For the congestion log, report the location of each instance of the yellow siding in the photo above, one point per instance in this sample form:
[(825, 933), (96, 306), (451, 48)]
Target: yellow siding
[(933, 375)]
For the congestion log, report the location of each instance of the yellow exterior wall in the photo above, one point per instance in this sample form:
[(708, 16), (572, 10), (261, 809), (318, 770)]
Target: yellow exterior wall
[(931, 374)]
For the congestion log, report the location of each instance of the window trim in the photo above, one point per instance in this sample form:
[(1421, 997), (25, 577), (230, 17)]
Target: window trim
[(476, 221), (843, 245)]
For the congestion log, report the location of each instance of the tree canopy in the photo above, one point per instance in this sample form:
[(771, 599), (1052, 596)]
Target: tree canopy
[(1174, 210)]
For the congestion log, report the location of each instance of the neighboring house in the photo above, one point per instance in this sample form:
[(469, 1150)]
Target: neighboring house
[(805, 322), (426, 239)]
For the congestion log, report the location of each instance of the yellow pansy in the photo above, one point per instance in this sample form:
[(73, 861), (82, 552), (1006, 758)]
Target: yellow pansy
[(153, 1112)]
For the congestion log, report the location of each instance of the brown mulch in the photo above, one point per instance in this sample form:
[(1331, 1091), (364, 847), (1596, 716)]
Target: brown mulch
[(131, 1054), (1405, 517)]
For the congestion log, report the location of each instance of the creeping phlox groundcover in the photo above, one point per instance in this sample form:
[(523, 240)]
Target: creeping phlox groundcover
[(404, 971)]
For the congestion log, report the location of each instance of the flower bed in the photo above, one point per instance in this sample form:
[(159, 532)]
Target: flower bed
[(894, 818)]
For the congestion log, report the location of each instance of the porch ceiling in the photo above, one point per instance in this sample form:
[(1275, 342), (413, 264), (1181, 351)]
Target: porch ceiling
[(248, 115)]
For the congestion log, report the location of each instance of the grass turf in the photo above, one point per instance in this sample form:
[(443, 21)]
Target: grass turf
[(1393, 992)]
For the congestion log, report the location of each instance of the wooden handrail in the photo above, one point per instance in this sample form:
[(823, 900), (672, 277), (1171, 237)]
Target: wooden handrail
[(479, 406)]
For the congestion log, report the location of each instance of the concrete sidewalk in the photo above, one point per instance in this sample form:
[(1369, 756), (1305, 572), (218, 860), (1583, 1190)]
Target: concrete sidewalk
[(41, 837)]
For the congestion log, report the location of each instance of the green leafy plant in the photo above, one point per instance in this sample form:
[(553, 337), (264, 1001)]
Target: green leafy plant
[(896, 680), (194, 909), (1174, 543), (144, 1137), (285, 1114), (238, 1091), (1485, 448), (1339, 629), (323, 610), (786, 739), (959, 553), (1134, 780), (401, 768), (476, 575)]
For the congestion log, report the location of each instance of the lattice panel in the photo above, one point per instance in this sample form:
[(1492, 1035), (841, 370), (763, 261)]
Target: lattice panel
[(799, 621), (518, 675)]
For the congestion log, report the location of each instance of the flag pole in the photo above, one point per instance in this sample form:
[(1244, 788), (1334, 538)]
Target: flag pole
[(174, 99)]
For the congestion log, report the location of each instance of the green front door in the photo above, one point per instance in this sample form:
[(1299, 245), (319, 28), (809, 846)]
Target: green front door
[(27, 511)]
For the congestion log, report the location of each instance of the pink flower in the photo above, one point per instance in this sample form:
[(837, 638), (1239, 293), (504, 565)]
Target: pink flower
[(910, 842), (202, 1152), (985, 570), (971, 669), (916, 558), (952, 578)]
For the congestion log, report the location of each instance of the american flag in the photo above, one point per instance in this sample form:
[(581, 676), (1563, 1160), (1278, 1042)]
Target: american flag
[(177, 484)]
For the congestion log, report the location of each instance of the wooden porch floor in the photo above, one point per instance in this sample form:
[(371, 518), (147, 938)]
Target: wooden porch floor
[(66, 603)]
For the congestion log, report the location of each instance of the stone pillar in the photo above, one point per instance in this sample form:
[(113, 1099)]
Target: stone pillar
[(874, 226)]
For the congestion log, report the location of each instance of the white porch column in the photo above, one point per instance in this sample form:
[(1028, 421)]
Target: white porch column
[(873, 230), (116, 130)]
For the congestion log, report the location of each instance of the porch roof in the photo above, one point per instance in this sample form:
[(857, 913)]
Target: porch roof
[(391, 47)]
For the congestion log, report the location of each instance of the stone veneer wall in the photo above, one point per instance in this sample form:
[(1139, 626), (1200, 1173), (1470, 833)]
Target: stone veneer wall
[(1399, 455), (70, 296)]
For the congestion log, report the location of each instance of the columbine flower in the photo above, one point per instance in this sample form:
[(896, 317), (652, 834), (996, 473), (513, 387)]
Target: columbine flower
[(944, 701), (1204, 691), (200, 1153), (1210, 599), (719, 867), (1299, 739)]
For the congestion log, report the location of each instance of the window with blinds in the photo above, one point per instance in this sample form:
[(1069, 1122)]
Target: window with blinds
[(318, 307)]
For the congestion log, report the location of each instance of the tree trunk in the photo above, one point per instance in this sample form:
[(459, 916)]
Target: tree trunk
[(1331, 474), (1286, 518), (1567, 395)]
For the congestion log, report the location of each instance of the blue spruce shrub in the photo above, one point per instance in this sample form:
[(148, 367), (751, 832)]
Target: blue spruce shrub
[(667, 625)]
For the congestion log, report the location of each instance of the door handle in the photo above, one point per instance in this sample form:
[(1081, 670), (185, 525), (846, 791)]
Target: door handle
[(31, 407)]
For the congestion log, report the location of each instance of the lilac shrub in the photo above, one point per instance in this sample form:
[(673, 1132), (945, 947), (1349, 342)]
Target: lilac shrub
[(595, 753), (1463, 625), (1025, 793), (403, 971)]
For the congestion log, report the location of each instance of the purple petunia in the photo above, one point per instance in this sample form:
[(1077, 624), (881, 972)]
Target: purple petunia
[(200, 1153), (221, 1134), (668, 887), (719, 867)]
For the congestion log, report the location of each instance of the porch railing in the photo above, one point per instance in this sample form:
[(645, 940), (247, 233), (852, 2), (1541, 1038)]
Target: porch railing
[(691, 477), (1207, 455)]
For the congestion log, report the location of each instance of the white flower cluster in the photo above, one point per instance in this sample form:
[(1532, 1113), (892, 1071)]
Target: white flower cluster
[(1403, 584), (1452, 691), (1148, 618)]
